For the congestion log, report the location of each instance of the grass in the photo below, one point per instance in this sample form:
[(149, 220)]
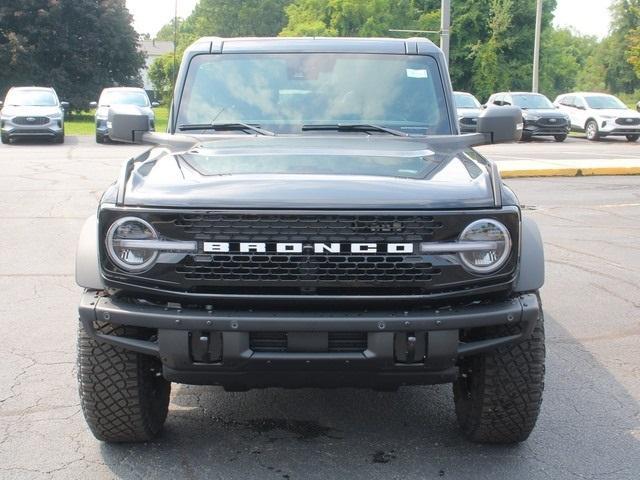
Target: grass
[(84, 123)]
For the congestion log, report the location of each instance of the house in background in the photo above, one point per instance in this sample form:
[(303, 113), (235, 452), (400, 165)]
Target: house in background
[(153, 49)]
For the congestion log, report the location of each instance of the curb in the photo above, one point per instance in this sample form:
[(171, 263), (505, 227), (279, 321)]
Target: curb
[(570, 172)]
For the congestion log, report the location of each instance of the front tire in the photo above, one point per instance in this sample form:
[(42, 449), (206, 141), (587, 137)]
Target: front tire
[(59, 139), (560, 138), (633, 138), (100, 138), (592, 131), (123, 395), (5, 139), (498, 394)]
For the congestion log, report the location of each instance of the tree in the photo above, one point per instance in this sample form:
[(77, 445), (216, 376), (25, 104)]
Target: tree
[(620, 75), (76, 46)]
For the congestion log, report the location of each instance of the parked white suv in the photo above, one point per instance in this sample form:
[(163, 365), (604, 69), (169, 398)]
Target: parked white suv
[(600, 115)]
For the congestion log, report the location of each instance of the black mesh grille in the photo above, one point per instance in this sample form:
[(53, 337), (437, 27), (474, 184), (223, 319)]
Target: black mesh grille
[(552, 122), (31, 120), (628, 121)]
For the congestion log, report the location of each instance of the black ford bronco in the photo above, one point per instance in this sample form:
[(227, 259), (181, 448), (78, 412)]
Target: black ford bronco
[(312, 218)]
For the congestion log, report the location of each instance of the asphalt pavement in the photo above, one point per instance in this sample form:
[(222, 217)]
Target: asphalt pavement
[(589, 427)]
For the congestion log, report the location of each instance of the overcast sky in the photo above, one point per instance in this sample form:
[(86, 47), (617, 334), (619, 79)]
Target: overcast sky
[(589, 17)]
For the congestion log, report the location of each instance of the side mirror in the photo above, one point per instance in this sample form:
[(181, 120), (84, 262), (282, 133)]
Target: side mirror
[(502, 125), (155, 104), (93, 104), (65, 105), (127, 124)]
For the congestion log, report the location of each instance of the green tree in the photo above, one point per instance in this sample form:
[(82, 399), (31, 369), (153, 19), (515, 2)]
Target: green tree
[(620, 76), (76, 46)]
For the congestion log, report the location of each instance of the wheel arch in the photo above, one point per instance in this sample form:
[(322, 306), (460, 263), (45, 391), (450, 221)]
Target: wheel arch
[(87, 256), (531, 272)]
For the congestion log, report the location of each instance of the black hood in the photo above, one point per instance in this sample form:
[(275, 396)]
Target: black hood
[(450, 179)]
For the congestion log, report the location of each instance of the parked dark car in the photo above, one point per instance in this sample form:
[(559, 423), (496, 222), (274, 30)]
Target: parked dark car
[(32, 112), (468, 108), (541, 118), (313, 218)]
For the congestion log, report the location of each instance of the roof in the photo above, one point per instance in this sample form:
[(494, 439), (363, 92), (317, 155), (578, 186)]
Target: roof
[(315, 45), (125, 89), (156, 47), (46, 89)]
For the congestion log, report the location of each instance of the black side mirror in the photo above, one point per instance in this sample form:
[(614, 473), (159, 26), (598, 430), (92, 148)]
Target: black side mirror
[(128, 124), (93, 104), (503, 125), (65, 105)]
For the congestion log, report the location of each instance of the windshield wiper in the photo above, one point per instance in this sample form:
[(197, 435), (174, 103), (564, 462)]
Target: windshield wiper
[(222, 127), (354, 127)]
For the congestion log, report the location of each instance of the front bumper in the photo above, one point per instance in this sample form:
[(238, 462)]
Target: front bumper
[(52, 129), (535, 130), (215, 347)]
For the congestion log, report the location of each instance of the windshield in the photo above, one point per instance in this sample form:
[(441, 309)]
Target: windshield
[(309, 163), (531, 101), (283, 92), (31, 98), (124, 98), (464, 100), (601, 102)]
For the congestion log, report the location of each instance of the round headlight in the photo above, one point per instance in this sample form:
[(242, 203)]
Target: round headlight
[(122, 253), (498, 246)]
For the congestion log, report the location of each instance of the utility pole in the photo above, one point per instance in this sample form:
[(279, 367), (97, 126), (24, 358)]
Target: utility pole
[(536, 48), (445, 25)]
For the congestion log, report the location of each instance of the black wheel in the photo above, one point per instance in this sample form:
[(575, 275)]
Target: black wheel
[(5, 139), (498, 394), (526, 137), (100, 138), (592, 130), (633, 138), (560, 138), (59, 138), (123, 394)]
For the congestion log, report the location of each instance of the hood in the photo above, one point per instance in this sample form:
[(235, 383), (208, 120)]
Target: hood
[(26, 111), (300, 172), (617, 112), (102, 111), (469, 112), (545, 112)]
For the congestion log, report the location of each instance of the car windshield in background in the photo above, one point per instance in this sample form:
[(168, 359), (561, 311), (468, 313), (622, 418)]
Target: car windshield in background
[(124, 98), (310, 164), (31, 98), (531, 101), (601, 102), (465, 101), (283, 92)]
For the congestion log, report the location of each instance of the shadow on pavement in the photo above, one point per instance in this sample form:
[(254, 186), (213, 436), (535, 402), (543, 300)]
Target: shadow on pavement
[(588, 428)]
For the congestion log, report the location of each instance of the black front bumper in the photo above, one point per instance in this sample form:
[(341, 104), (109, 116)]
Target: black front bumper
[(214, 347)]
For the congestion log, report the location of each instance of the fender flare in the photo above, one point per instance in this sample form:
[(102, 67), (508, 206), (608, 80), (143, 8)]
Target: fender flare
[(531, 272), (87, 257)]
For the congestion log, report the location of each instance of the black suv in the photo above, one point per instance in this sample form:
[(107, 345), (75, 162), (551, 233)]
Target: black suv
[(312, 218), (541, 118)]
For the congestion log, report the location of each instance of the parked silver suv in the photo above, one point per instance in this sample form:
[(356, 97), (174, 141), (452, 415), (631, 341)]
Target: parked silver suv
[(120, 96), (32, 112)]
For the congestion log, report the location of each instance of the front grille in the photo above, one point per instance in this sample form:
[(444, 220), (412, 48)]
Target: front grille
[(31, 120), (469, 121), (309, 273), (628, 121), (552, 122), (339, 342)]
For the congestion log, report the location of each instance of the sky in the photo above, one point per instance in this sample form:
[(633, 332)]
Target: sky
[(589, 17)]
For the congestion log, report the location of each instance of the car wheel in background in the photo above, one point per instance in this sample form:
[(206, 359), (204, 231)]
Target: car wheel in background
[(633, 138), (5, 139), (100, 138), (59, 138), (560, 138), (592, 130), (526, 137)]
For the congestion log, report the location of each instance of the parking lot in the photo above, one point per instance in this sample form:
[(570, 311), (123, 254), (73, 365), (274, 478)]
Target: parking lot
[(590, 423)]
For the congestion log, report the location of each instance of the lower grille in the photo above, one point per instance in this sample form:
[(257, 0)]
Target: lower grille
[(552, 122), (339, 342), (31, 120), (469, 121)]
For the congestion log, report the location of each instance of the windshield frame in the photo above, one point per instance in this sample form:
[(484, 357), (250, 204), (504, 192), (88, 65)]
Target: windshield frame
[(449, 117), (31, 91), (474, 100), (103, 103)]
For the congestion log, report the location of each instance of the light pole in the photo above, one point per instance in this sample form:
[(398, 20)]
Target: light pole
[(445, 25), (536, 48)]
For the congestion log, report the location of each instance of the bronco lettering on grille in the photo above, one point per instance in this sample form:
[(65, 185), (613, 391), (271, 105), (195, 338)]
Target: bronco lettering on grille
[(317, 248)]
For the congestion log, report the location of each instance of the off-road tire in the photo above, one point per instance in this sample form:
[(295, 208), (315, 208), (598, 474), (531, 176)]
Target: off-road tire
[(124, 398), (498, 394), (560, 138), (5, 139), (591, 130), (633, 138)]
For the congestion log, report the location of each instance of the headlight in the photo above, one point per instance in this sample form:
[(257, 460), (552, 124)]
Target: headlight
[(492, 249), (125, 247), (533, 118), (55, 116)]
